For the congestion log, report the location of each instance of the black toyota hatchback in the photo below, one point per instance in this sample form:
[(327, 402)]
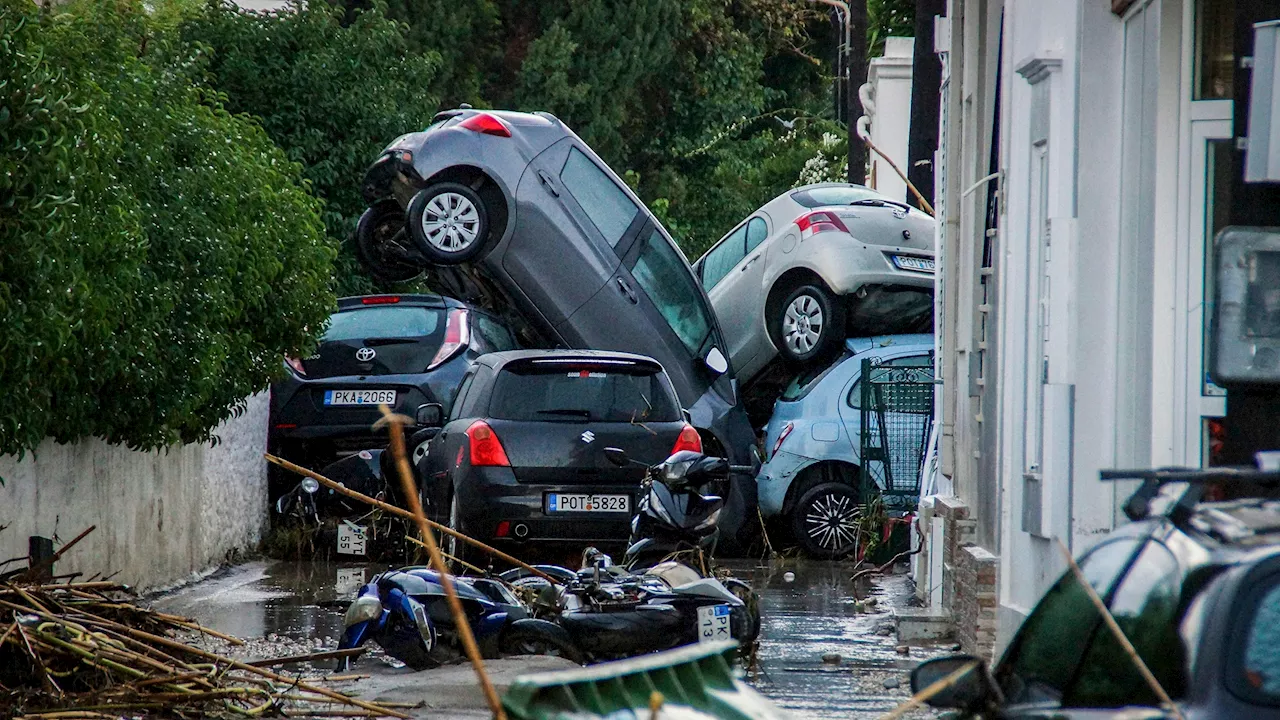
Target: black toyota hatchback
[(1195, 586), (403, 350), (521, 457)]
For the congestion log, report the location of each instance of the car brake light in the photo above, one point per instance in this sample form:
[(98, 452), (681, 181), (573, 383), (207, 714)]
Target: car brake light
[(296, 364), (457, 335), (504, 528), (381, 300), (786, 430), (486, 449), (487, 124), (404, 156), (819, 221), (689, 440)]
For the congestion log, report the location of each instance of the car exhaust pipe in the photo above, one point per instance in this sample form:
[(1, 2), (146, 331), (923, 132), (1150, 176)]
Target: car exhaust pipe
[(521, 531)]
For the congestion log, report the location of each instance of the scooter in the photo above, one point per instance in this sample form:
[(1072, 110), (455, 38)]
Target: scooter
[(407, 614), (673, 516)]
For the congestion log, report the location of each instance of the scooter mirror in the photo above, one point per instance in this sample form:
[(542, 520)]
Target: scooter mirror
[(617, 456)]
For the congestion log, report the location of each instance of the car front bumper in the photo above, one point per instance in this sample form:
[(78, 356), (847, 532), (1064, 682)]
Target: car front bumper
[(775, 479)]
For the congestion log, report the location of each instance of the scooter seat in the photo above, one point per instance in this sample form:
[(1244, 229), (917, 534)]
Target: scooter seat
[(707, 587)]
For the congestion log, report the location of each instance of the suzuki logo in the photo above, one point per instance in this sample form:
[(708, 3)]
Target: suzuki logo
[(365, 354), (588, 436)]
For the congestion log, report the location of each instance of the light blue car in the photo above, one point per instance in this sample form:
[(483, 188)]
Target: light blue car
[(811, 475)]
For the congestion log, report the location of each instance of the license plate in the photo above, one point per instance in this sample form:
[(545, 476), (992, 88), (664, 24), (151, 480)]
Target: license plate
[(713, 623), (359, 397), (573, 502), (349, 581), (918, 264), (351, 538)]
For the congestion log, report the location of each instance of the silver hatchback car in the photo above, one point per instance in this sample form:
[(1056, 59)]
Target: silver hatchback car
[(814, 266)]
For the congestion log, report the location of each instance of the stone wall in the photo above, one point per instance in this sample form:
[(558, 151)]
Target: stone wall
[(974, 607), (162, 517)]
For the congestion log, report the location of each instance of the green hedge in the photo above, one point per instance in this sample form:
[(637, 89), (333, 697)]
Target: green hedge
[(157, 253)]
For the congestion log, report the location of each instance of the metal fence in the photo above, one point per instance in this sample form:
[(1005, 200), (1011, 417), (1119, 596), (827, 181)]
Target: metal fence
[(897, 417)]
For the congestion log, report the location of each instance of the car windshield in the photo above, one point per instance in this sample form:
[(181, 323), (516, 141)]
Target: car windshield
[(665, 277), (808, 380), (576, 394), (383, 322), (1065, 654), (834, 195)]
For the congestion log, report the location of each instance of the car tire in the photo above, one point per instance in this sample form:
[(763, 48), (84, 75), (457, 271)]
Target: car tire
[(808, 326), (381, 242), (825, 520), (449, 223), (451, 544)]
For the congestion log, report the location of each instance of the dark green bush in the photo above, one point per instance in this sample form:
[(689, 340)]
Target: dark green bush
[(331, 95), (157, 254)]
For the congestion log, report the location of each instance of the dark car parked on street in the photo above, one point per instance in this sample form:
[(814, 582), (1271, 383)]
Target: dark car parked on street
[(403, 350), (515, 212), (1195, 586), (521, 457)]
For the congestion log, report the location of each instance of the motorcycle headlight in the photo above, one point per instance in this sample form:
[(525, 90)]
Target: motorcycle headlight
[(710, 521), (365, 607), (674, 473), (310, 485)]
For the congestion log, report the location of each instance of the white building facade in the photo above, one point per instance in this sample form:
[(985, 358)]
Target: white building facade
[(1089, 152)]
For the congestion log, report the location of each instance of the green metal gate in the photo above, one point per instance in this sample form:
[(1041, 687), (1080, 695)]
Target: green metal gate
[(897, 416)]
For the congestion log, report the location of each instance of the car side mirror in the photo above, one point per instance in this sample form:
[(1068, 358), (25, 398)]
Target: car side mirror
[(968, 682), (617, 456), (717, 361), (430, 415)]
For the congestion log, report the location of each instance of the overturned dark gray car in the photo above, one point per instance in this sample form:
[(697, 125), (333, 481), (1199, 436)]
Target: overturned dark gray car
[(514, 212)]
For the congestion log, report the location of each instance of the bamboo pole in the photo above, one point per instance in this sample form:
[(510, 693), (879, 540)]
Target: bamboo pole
[(401, 512), (924, 204), (447, 556), (461, 624), (923, 696), (1114, 627)]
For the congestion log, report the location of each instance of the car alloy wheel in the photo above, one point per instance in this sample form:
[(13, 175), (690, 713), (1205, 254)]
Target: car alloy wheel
[(450, 222), (803, 324), (826, 520)]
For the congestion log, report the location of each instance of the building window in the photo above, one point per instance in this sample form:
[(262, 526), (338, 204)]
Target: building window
[(1217, 214), (1215, 49)]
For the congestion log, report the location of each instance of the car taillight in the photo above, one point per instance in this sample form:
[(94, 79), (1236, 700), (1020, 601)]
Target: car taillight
[(486, 449), (457, 335), (503, 529), (786, 430), (487, 124), (296, 364), (819, 221), (689, 440), (381, 300)]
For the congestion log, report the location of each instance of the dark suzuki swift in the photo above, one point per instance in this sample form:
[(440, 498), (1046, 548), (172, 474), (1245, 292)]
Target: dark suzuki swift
[(402, 350), (1194, 586), (521, 457)]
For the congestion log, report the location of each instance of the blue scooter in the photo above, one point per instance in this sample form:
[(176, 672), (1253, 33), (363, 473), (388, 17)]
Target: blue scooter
[(407, 614)]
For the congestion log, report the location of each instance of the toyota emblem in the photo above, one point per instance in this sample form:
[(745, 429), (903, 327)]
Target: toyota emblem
[(365, 354)]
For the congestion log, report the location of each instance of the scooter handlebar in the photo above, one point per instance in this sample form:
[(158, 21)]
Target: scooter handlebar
[(741, 470)]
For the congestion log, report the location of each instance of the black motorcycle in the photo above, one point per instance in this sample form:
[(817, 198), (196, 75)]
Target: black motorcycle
[(673, 515)]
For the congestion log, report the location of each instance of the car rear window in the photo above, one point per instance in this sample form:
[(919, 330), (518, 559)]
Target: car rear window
[(817, 197), (577, 393), (383, 322)]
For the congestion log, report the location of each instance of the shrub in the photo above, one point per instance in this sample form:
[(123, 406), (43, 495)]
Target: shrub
[(159, 253)]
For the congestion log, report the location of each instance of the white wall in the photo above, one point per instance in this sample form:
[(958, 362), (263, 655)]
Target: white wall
[(890, 79), (161, 516)]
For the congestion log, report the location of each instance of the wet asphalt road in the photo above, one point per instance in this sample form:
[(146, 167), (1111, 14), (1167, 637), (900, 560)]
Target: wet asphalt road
[(293, 607)]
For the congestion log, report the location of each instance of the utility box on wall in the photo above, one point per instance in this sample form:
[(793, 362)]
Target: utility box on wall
[(1262, 157)]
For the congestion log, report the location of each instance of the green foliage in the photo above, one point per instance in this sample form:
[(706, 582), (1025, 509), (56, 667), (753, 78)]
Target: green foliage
[(331, 95), (888, 18), (159, 253)]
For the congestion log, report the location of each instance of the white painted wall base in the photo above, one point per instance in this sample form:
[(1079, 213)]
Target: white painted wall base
[(162, 517)]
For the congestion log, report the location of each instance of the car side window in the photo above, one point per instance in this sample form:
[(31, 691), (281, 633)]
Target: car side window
[(608, 207), (494, 334), (459, 400), (665, 278), (757, 231), (854, 399), (1259, 672), (723, 257)]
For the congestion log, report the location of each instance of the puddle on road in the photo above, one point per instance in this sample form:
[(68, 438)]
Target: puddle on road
[(814, 615)]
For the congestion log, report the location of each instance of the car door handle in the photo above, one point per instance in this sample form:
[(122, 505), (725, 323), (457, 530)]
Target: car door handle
[(749, 263), (626, 290), (547, 181)]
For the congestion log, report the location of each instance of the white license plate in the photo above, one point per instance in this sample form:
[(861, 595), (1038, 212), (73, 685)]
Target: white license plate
[(918, 264), (359, 397), (351, 538), (349, 581), (572, 502), (713, 623)]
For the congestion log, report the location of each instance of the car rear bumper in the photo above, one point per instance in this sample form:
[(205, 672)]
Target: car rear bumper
[(491, 496)]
